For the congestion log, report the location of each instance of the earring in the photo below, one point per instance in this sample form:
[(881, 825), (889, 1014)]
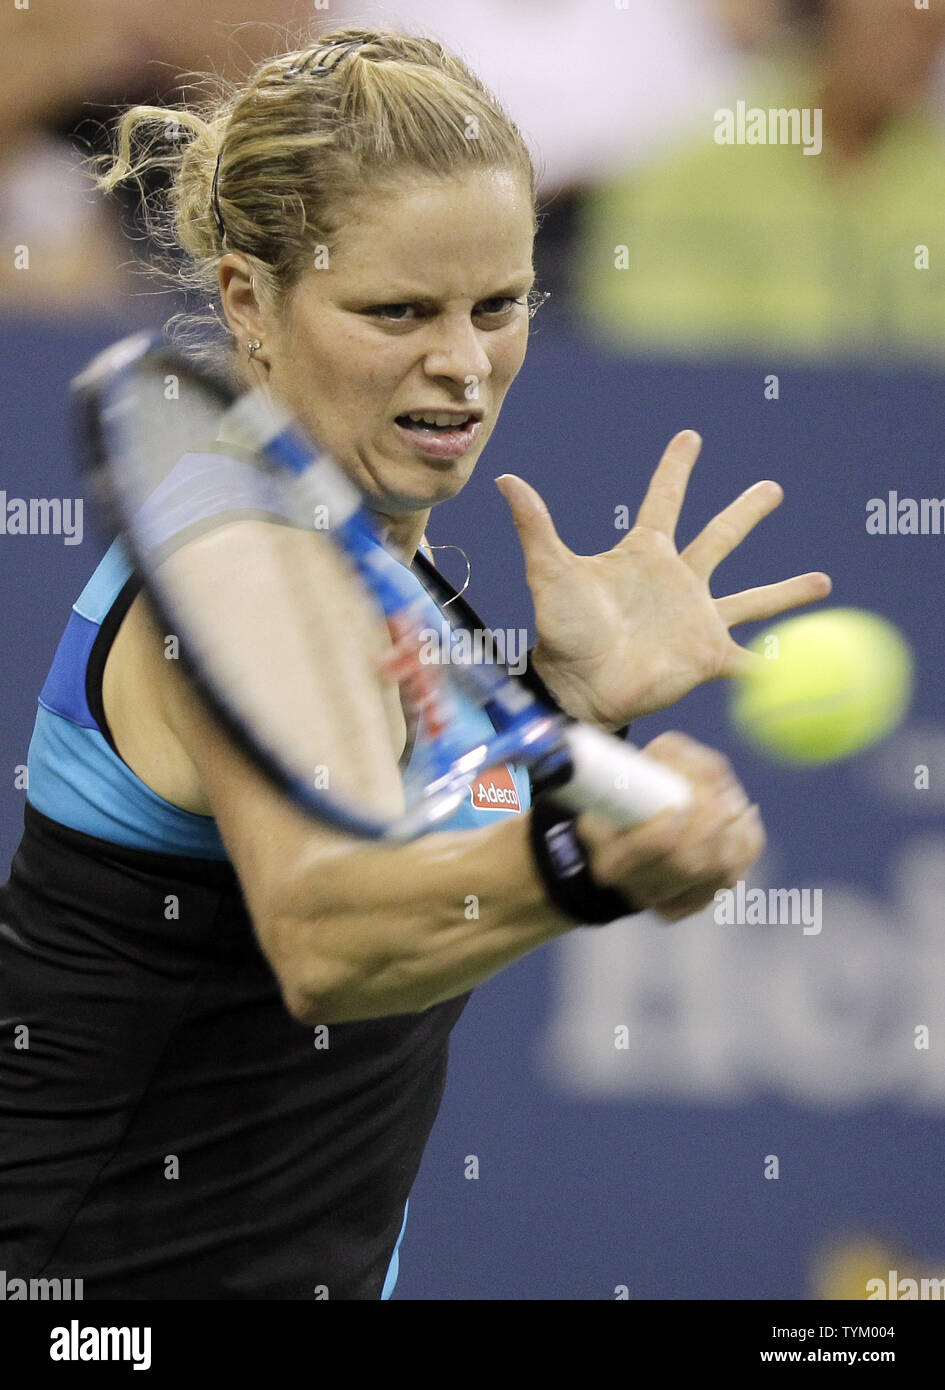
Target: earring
[(253, 347)]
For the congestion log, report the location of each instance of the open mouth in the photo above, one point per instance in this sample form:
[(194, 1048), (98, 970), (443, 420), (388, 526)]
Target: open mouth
[(440, 423), (439, 434)]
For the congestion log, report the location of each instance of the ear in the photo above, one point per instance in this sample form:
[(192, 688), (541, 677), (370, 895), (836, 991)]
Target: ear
[(238, 297)]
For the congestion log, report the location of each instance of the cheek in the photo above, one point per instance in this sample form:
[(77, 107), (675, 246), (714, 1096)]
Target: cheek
[(338, 383), (364, 368), (508, 359)]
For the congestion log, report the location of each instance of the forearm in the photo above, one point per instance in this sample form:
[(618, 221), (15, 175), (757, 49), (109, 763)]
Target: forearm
[(373, 930)]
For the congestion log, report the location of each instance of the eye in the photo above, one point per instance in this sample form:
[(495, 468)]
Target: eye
[(395, 313), (500, 304)]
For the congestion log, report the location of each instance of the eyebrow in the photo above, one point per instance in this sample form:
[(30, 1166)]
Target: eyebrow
[(399, 294)]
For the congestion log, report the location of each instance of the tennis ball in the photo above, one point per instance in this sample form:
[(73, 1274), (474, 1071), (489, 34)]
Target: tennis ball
[(829, 684)]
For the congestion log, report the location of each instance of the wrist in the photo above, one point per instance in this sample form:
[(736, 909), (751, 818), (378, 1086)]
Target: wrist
[(562, 863), (536, 671), (534, 678)]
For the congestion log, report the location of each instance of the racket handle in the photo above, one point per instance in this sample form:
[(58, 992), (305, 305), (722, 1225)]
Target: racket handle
[(617, 779)]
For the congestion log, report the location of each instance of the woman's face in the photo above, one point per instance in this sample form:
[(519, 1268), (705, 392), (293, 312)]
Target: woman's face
[(421, 309)]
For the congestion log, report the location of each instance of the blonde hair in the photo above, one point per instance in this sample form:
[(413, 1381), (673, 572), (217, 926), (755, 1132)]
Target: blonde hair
[(265, 168)]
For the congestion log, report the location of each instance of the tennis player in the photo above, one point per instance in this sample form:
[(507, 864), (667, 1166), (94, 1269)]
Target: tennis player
[(232, 1022)]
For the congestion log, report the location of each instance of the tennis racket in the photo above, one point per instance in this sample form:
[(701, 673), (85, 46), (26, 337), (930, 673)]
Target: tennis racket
[(277, 593)]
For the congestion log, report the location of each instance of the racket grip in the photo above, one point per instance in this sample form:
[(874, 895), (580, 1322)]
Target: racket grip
[(617, 779)]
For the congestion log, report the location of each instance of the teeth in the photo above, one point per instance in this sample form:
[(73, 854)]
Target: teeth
[(437, 419)]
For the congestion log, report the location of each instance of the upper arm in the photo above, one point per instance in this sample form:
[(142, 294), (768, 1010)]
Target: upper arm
[(267, 838), (318, 681)]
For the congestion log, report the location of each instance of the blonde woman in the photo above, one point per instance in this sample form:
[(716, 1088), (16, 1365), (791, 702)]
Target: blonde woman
[(239, 1021)]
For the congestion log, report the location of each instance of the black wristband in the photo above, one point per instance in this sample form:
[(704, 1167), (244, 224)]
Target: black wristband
[(562, 863)]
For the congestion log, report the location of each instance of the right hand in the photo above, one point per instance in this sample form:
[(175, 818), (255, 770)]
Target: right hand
[(677, 861)]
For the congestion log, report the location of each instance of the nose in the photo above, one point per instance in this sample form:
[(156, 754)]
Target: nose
[(456, 352)]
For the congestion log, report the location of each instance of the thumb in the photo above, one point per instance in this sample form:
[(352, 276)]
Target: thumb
[(543, 548), (742, 664)]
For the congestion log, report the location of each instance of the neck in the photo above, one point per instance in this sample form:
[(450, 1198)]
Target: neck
[(403, 533)]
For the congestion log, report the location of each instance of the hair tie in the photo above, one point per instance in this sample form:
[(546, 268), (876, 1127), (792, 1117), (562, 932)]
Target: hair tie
[(337, 51), (215, 197)]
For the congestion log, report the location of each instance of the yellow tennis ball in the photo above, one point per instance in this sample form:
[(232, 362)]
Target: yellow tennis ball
[(829, 684)]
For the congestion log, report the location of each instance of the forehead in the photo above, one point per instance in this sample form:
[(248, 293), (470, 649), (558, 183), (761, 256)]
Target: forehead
[(440, 233)]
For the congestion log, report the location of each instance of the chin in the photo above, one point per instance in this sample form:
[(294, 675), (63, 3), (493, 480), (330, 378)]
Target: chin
[(404, 502), (419, 485)]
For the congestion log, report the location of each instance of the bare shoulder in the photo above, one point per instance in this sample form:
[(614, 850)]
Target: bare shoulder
[(137, 682)]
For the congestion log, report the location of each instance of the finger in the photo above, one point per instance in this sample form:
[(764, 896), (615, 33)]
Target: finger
[(742, 663), (726, 531), (678, 841), (614, 851), (715, 840), (690, 870), (694, 900), (770, 599), (706, 768), (667, 491), (544, 550), (732, 847)]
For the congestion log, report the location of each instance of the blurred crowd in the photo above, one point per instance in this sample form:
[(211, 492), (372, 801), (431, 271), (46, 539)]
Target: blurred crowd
[(67, 70), (674, 219)]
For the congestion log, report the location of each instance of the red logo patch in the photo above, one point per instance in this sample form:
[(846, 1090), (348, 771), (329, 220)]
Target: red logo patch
[(495, 790)]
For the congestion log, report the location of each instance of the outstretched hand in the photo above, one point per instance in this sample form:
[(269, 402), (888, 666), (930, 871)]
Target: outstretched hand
[(631, 630)]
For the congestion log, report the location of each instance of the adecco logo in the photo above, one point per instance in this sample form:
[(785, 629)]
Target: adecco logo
[(495, 790)]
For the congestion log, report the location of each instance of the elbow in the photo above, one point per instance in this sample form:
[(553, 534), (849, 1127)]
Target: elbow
[(320, 993), (332, 975), (331, 993), (308, 1008), (315, 988), (311, 1002)]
